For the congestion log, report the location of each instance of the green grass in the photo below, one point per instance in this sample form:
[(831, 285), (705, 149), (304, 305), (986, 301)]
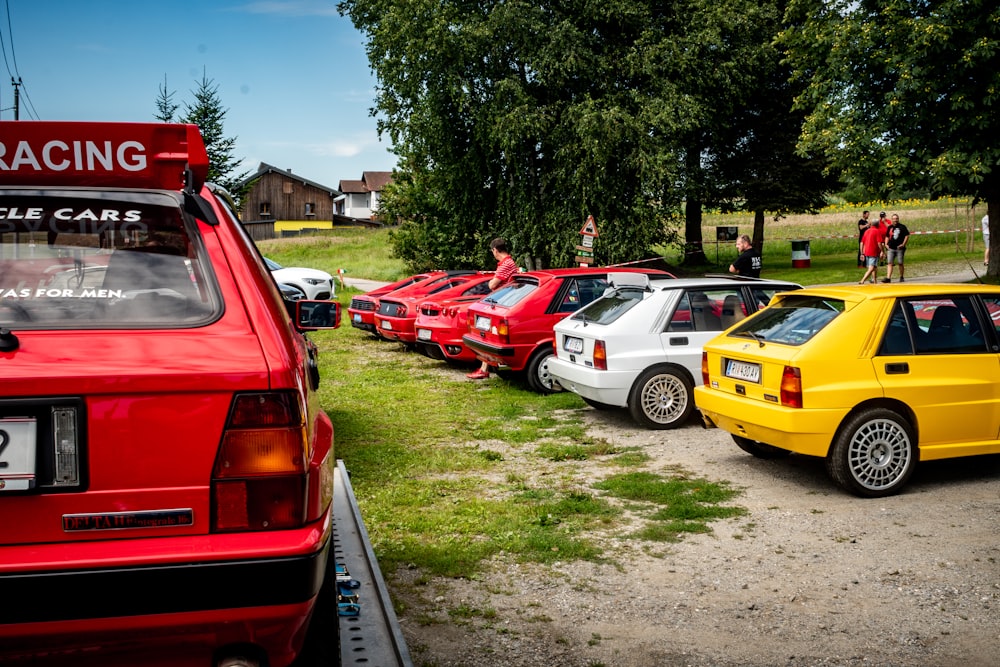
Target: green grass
[(452, 474)]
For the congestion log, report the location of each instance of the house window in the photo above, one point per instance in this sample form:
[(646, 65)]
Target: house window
[(310, 209), (286, 187), (265, 209)]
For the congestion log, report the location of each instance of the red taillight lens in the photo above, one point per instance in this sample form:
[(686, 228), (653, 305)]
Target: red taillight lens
[(600, 355), (704, 368), (503, 331), (791, 387), (259, 479)]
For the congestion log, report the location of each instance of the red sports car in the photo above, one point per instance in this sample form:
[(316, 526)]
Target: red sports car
[(440, 325), (165, 472), (511, 329), (363, 306), (398, 310)]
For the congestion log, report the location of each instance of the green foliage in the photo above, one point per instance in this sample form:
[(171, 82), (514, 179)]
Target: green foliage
[(901, 95)]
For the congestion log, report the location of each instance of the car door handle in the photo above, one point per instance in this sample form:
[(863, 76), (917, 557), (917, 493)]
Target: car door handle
[(899, 368), (679, 340)]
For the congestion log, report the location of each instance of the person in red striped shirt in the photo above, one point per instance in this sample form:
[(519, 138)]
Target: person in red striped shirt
[(506, 268)]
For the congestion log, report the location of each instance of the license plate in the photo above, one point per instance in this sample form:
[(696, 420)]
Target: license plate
[(17, 453), (482, 322), (423, 334), (357, 317), (574, 345), (387, 325), (741, 370)]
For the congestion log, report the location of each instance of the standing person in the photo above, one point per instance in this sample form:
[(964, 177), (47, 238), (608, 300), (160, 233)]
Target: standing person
[(895, 243), (871, 247), (748, 263), (863, 225), (986, 239), (506, 268)]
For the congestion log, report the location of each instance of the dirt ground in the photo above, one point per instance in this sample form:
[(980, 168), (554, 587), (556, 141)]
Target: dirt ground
[(810, 576)]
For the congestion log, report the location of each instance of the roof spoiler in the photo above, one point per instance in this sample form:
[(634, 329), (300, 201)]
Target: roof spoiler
[(164, 156), (628, 279)]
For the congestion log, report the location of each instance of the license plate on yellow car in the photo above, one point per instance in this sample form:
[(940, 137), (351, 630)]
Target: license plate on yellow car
[(742, 370)]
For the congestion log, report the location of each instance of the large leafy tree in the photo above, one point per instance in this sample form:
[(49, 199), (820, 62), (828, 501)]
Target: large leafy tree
[(903, 94), (520, 119)]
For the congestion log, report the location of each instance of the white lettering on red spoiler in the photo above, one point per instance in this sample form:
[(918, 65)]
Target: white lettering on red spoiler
[(125, 155), (78, 156)]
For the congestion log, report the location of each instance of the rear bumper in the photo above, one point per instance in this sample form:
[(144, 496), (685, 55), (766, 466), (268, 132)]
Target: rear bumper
[(64, 595), (802, 431), (608, 387)]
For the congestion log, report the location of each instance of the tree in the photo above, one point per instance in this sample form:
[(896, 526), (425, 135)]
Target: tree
[(208, 114), (903, 94), (526, 117), (165, 106)]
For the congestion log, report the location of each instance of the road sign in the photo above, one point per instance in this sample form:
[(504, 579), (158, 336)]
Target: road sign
[(589, 227)]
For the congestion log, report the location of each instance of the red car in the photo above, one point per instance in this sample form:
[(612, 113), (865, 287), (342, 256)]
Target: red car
[(512, 328), (165, 470), (398, 310), (440, 325), (363, 306)]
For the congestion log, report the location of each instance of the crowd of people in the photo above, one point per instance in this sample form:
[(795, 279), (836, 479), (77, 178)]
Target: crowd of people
[(884, 239)]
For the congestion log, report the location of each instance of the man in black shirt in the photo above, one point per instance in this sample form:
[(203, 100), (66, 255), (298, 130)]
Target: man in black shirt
[(895, 241), (748, 263), (863, 224)]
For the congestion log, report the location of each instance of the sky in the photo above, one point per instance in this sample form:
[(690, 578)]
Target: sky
[(292, 74)]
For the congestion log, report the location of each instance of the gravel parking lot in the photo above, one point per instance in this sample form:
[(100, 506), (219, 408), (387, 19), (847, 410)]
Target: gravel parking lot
[(810, 576)]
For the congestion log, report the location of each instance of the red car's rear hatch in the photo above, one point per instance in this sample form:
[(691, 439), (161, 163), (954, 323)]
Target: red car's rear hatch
[(115, 436)]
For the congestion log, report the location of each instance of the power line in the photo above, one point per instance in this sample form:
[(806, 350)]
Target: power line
[(10, 33)]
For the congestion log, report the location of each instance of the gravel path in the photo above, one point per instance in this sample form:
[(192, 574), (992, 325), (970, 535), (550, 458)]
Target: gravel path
[(810, 576)]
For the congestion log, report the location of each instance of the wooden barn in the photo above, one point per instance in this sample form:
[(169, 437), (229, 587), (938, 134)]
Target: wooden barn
[(278, 195)]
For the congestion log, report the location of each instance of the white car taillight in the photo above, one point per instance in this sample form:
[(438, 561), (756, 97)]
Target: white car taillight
[(600, 355), (260, 481)]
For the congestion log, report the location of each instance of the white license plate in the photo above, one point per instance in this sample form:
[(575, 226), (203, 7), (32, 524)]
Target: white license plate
[(357, 317), (741, 370), (423, 334), (387, 325), (573, 345), (17, 453), (482, 322)]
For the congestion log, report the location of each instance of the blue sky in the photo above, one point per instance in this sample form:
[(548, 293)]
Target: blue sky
[(292, 73)]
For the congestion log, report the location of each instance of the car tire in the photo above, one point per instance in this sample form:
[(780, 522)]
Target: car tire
[(597, 405), (873, 454), (661, 398), (759, 449), (538, 375)]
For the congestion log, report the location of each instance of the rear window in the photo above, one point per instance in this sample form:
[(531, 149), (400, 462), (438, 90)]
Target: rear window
[(794, 322), (511, 294), (609, 308), (89, 260)]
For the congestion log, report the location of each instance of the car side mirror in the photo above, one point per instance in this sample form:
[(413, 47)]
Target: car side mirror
[(317, 315)]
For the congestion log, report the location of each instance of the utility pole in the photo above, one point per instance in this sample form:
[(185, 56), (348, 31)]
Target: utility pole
[(17, 97)]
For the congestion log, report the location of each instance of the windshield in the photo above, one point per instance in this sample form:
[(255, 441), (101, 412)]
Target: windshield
[(794, 322), (86, 260)]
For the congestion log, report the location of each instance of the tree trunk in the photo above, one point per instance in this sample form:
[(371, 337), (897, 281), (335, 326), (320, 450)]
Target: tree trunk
[(694, 250), (758, 231)]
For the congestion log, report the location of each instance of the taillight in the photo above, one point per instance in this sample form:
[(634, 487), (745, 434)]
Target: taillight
[(791, 387), (259, 479), (600, 355), (503, 331), (704, 368)]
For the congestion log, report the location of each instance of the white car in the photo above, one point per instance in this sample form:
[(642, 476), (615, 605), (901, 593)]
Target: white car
[(639, 345), (313, 283)]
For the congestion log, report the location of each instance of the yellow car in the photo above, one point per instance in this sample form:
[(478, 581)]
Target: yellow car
[(873, 379)]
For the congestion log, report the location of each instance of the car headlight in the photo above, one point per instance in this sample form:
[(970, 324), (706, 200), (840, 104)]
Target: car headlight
[(316, 281)]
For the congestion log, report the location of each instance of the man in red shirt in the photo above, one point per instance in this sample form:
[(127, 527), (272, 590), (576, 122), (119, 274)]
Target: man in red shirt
[(506, 268), (872, 247)]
